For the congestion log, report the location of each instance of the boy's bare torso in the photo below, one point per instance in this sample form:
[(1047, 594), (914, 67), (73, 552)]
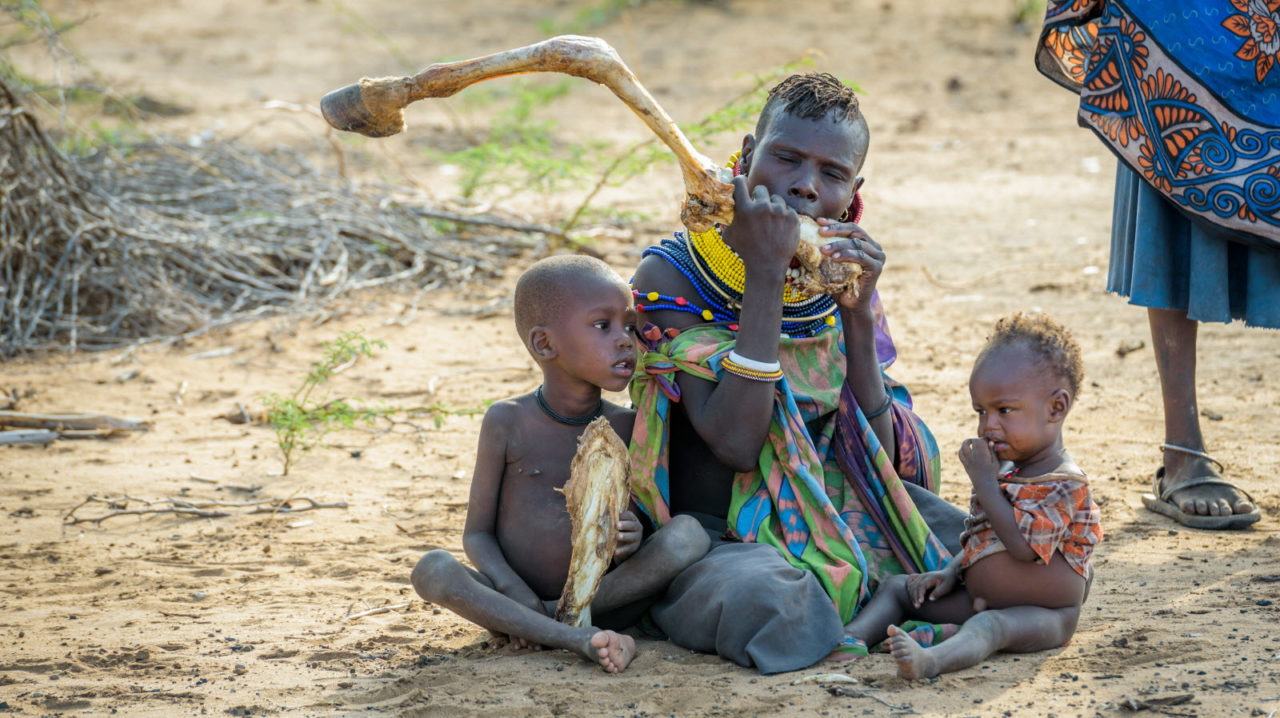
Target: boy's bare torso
[(532, 524)]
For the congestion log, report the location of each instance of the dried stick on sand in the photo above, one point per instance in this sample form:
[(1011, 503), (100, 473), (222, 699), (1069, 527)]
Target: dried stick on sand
[(28, 436), (193, 508), (376, 611), (71, 422), (375, 108), (595, 496)]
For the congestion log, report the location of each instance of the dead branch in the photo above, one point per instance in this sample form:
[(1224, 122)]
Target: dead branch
[(376, 611), (241, 415), (487, 221), (103, 251), (28, 436), (192, 508), (71, 422)]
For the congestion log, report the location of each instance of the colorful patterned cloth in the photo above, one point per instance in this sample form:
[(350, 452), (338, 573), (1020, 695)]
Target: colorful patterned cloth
[(1055, 512), (831, 503), (1187, 94)]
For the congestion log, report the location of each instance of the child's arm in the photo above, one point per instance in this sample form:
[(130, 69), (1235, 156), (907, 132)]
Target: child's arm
[(479, 536), (934, 584), (983, 468)]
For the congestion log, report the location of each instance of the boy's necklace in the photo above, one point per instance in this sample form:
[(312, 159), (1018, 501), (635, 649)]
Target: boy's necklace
[(567, 420)]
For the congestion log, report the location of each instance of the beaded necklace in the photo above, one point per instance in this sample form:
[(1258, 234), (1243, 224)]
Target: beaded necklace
[(727, 270), (567, 420), (719, 276), (724, 271), (720, 302)]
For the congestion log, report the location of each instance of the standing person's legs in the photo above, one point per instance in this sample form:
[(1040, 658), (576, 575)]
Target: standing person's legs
[(1173, 337)]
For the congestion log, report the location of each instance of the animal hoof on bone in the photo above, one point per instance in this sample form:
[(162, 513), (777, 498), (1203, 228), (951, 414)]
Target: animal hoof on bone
[(346, 109)]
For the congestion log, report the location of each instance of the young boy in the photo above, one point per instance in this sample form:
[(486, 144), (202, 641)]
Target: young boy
[(1032, 526), (576, 319)]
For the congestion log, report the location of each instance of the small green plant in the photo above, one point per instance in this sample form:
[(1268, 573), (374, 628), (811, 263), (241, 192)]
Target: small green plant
[(735, 115), (358, 24), (519, 149), (300, 420), (588, 18), (1026, 12), (120, 138)]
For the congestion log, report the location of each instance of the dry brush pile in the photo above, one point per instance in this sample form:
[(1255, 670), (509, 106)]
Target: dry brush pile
[(165, 238)]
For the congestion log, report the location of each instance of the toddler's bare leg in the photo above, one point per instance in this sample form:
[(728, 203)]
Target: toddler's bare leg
[(670, 550), (440, 579), (892, 602), (1020, 629)]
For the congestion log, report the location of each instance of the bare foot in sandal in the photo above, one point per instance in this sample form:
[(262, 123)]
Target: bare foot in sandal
[(1203, 500)]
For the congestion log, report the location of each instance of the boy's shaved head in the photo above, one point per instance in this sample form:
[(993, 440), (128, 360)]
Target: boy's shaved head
[(812, 96), (550, 284)]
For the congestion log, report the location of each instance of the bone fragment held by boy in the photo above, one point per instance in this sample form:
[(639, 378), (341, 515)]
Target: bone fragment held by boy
[(595, 496)]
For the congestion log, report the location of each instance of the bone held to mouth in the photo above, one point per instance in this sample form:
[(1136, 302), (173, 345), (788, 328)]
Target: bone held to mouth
[(375, 108), (595, 496)]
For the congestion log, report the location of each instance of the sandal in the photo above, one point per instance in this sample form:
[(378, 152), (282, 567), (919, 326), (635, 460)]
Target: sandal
[(1159, 498)]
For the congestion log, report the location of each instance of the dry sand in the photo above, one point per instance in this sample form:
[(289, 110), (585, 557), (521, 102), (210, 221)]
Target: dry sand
[(987, 198)]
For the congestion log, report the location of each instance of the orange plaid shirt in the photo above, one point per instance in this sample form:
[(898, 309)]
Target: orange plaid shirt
[(1055, 512)]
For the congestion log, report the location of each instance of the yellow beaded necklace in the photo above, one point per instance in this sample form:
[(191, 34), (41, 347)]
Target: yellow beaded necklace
[(725, 263), (728, 267)]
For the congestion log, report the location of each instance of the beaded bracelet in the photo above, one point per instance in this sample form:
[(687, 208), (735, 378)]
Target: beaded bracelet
[(746, 373), (753, 364)]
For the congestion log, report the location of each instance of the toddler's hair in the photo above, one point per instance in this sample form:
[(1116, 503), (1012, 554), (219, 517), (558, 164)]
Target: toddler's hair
[(545, 287), (1047, 339), (810, 96)]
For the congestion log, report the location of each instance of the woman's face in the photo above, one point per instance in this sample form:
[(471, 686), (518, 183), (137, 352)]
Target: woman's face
[(811, 164)]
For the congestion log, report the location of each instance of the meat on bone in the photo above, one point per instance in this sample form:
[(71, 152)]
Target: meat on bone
[(375, 107)]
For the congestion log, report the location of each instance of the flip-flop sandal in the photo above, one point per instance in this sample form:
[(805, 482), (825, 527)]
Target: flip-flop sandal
[(1158, 501)]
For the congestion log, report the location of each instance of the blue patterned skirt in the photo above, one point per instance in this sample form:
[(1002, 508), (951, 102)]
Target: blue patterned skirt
[(1163, 260)]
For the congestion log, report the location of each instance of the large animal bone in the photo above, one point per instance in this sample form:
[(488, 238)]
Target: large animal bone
[(375, 108), (595, 496)]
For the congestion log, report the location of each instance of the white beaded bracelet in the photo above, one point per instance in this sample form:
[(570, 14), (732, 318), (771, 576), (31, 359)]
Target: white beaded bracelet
[(745, 363)]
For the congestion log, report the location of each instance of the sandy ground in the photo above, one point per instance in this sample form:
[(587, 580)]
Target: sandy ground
[(988, 200)]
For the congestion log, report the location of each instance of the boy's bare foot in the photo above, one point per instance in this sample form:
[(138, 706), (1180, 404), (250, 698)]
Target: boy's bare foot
[(913, 661), (613, 651)]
